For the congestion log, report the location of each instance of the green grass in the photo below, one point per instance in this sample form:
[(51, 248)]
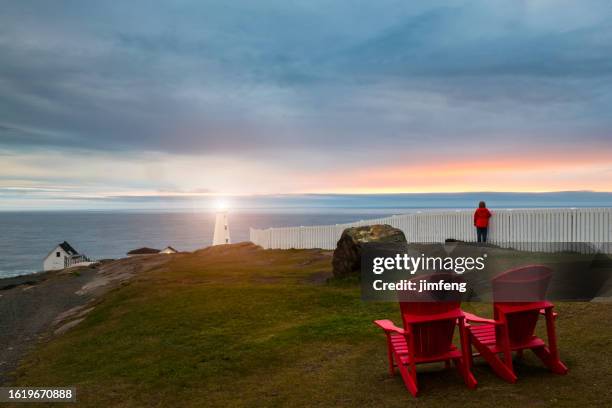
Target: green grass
[(236, 326)]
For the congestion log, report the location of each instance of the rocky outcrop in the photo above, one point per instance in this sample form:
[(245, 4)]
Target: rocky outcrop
[(347, 256)]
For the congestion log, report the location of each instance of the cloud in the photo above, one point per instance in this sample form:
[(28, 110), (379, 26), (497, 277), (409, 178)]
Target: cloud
[(303, 84)]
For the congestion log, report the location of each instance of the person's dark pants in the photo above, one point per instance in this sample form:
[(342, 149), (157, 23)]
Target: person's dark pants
[(481, 233)]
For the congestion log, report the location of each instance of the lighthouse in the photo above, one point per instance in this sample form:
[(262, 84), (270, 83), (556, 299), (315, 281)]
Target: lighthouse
[(222, 234)]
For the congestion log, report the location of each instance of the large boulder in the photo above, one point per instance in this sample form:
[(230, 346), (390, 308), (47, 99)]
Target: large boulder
[(347, 255)]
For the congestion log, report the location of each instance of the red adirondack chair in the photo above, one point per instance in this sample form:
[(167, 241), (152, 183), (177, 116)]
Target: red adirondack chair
[(427, 336), (518, 296)]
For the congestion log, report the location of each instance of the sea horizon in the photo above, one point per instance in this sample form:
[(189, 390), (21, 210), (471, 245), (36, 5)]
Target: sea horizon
[(324, 202)]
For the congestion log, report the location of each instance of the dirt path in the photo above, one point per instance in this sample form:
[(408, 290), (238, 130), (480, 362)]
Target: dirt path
[(37, 306)]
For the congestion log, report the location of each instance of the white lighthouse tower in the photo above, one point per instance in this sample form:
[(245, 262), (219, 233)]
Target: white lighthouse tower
[(222, 234)]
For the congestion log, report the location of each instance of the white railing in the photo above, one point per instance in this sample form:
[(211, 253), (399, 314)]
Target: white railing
[(77, 260), (529, 229)]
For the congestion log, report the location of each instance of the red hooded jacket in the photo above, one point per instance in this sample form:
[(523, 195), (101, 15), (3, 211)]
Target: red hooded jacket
[(481, 217)]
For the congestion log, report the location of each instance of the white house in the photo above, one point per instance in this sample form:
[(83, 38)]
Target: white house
[(168, 250), (64, 256)]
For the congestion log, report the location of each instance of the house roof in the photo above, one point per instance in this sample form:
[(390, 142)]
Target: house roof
[(169, 247), (68, 248), (143, 251)]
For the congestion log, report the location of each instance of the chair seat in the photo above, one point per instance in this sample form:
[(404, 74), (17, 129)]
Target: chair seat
[(485, 334), (400, 346)]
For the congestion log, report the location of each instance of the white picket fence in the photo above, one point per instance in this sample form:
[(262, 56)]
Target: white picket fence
[(527, 229)]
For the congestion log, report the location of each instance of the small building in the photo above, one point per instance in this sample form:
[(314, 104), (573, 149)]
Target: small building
[(221, 235), (168, 250), (64, 256), (143, 251)]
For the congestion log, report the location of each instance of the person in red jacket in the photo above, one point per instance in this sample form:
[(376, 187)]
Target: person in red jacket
[(481, 221)]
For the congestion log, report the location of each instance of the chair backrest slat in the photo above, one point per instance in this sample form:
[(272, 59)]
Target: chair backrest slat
[(525, 287), (431, 337)]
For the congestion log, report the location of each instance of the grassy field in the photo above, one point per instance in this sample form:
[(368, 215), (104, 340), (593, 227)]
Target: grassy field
[(238, 326)]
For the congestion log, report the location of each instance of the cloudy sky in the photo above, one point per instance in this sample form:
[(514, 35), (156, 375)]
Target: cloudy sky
[(143, 98)]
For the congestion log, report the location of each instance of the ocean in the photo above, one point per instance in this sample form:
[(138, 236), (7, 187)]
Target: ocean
[(27, 237)]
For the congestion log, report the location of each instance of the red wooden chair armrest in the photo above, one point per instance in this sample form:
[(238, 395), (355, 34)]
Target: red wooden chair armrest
[(477, 319), (388, 326), (522, 307)]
